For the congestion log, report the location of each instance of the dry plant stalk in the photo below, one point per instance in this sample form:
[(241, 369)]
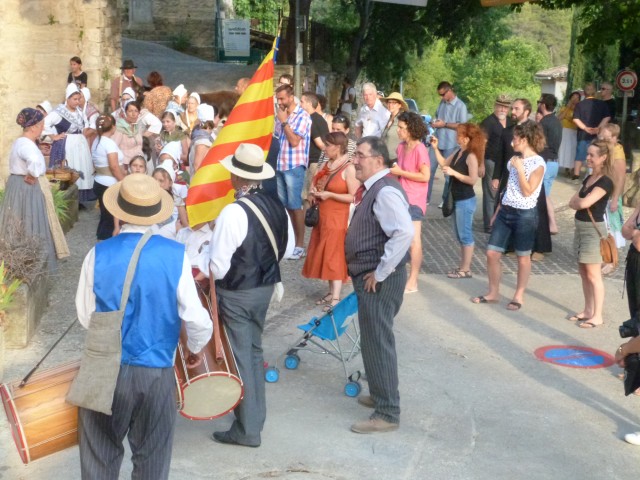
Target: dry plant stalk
[(23, 254)]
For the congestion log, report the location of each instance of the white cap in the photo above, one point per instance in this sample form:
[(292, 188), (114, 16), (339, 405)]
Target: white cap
[(196, 96), (86, 93), (174, 150), (129, 91), (46, 106), (180, 90), (71, 89), (206, 112), (167, 165)]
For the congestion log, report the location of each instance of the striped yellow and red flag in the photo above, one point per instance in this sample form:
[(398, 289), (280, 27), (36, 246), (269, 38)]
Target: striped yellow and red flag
[(250, 121)]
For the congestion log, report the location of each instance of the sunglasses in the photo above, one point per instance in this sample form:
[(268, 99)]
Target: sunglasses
[(444, 93)]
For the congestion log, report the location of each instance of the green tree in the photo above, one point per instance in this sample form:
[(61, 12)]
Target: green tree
[(426, 73), (505, 67)]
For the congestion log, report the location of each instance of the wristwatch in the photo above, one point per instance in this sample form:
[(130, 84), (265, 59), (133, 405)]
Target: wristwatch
[(284, 124)]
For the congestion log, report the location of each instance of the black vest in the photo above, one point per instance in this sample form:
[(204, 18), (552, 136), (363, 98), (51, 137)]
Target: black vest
[(254, 263), (364, 245)]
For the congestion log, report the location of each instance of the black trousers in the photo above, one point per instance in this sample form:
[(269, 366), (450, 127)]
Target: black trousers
[(632, 279), (105, 224)]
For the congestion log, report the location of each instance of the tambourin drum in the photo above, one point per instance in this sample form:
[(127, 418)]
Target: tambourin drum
[(213, 388), (41, 421)]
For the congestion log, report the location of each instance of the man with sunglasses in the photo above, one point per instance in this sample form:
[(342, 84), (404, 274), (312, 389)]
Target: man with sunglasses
[(450, 113)]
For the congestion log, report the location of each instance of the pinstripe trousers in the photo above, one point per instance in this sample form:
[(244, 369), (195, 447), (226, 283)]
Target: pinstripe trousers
[(144, 409), (243, 313), (376, 311)]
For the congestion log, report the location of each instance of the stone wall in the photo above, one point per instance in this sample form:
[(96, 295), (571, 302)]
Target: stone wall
[(173, 23), (38, 39)]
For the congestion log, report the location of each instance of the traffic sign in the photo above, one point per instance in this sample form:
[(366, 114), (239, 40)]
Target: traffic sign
[(626, 80), (574, 357)]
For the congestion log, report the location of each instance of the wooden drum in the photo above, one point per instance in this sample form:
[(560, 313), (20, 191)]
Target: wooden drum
[(41, 421), (213, 388)]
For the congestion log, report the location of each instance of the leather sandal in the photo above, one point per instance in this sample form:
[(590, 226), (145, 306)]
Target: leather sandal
[(324, 300), (328, 307)]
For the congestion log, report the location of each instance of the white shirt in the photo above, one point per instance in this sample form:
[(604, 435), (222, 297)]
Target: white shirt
[(196, 318), (232, 227), (196, 243), (373, 120), (513, 196), (99, 154), (26, 158), (347, 105), (54, 118), (147, 121), (392, 212)]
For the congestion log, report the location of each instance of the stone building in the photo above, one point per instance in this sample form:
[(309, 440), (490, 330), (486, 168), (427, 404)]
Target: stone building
[(181, 24), (38, 38)]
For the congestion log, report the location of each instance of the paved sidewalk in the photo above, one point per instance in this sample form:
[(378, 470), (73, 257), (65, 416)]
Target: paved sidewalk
[(476, 402)]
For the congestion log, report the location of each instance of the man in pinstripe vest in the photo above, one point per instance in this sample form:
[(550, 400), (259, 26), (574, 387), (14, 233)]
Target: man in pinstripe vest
[(376, 248)]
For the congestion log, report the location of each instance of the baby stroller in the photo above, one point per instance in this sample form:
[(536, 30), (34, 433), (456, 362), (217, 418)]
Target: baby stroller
[(322, 335)]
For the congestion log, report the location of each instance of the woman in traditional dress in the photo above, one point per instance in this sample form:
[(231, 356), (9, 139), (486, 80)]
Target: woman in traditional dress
[(189, 118), (66, 125), (171, 132), (128, 136), (333, 189), (201, 139), (158, 96), (27, 198)]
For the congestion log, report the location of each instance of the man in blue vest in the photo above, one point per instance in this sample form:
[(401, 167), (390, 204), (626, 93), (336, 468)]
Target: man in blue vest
[(251, 236), (162, 295), (376, 248)]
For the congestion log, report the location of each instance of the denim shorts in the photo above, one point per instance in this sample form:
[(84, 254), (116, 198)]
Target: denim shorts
[(463, 221), (290, 184), (416, 213), (581, 150), (521, 225), (550, 174)]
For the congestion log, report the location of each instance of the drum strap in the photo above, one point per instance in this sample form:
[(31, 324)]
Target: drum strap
[(95, 384), (279, 288)]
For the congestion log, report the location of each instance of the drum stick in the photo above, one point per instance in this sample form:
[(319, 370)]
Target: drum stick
[(26, 378), (213, 309)]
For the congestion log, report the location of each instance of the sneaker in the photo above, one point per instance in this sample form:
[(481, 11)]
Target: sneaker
[(374, 425), (440, 204), (298, 253), (632, 438)]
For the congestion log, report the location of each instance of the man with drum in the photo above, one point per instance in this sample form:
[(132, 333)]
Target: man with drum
[(245, 268), (162, 295)]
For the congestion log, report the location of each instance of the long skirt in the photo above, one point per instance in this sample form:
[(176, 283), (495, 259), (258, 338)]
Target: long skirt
[(24, 205), (567, 153), (78, 156)]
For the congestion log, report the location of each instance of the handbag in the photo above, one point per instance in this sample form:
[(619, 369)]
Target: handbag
[(448, 205), (608, 248), (631, 373), (312, 215), (95, 383)]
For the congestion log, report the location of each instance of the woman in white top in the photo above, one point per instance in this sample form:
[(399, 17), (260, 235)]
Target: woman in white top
[(516, 218), (66, 126), (201, 137), (107, 160), (25, 203)]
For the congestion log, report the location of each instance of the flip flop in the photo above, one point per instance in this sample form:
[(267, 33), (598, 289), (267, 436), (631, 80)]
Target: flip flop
[(514, 306), (407, 291), (576, 318), (481, 299), (587, 324)]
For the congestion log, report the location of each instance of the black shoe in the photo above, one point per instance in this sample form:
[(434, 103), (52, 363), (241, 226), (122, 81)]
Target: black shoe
[(225, 437)]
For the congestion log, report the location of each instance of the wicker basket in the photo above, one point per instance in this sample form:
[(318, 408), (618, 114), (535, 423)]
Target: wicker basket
[(63, 173)]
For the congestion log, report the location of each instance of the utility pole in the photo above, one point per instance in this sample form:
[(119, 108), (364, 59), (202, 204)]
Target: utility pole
[(297, 85)]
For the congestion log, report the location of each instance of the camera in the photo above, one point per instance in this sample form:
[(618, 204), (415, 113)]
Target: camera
[(629, 328), (427, 120)]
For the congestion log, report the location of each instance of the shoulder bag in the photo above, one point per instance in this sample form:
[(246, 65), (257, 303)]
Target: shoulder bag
[(94, 386), (608, 248), (448, 205), (312, 215)]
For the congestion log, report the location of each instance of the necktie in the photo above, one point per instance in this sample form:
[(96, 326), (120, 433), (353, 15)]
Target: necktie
[(359, 194)]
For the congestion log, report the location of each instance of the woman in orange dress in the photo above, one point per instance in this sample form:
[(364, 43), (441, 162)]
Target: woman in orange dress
[(333, 189)]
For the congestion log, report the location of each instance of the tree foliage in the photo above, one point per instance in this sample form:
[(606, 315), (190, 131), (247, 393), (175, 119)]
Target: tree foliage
[(506, 67)]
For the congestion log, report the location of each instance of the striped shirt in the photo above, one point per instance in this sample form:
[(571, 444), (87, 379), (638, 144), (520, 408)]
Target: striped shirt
[(291, 157)]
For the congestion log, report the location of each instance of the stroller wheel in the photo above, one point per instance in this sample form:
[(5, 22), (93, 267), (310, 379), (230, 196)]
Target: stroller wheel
[(352, 389), (292, 361), (271, 375)]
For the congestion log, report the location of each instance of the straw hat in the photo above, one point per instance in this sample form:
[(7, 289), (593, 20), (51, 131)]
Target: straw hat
[(248, 162), (398, 98), (138, 199)]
